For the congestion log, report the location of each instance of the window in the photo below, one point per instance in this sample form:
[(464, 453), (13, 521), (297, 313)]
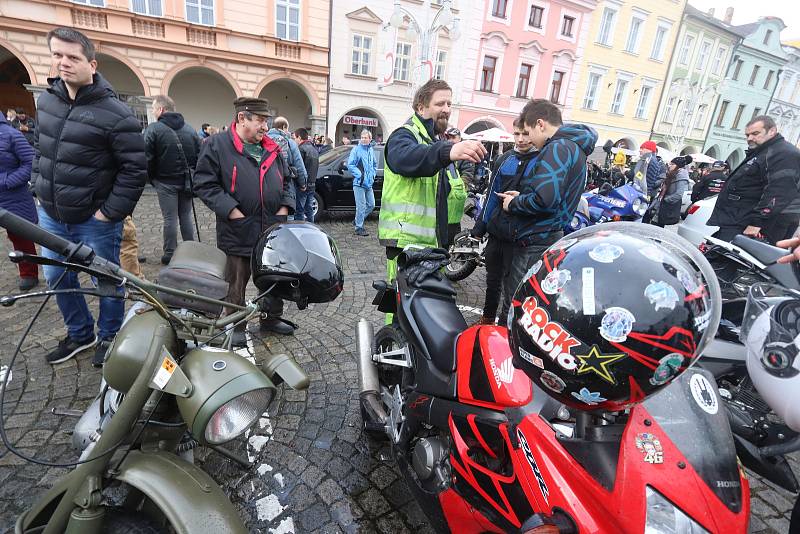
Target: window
[(402, 61), (754, 75), (756, 113), (737, 117), (644, 102), (768, 81), (737, 67), (702, 56), (686, 49), (147, 7), (566, 26), (287, 18), (632, 45), (669, 109), (487, 73), (525, 71), (767, 36), (606, 27), (619, 97), (700, 117), (95, 3), (590, 99), (441, 64), (200, 12), (660, 40), (718, 59), (499, 8), (723, 109), (555, 88), (537, 13), (362, 46)]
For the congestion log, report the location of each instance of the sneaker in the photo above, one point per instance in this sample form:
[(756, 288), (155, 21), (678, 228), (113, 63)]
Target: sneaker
[(67, 348), (361, 232), (100, 352), (26, 284), (275, 326)]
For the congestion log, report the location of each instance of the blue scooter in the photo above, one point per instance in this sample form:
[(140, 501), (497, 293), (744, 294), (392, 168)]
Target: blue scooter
[(624, 203)]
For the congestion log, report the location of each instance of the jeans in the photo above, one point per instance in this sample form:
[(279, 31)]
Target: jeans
[(304, 211), (104, 238), (176, 205), (498, 256), (365, 203)]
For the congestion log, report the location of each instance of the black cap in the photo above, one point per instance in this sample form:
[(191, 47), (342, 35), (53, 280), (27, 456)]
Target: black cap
[(258, 106), (719, 164)]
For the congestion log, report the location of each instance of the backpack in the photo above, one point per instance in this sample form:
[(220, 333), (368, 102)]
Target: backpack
[(288, 169)]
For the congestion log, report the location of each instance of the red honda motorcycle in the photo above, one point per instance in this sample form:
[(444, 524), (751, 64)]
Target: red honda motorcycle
[(483, 449)]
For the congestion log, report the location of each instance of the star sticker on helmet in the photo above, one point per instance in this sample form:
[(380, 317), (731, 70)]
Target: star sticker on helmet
[(598, 363)]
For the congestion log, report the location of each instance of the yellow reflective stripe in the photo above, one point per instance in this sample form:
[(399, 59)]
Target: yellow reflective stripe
[(408, 228), (414, 209)]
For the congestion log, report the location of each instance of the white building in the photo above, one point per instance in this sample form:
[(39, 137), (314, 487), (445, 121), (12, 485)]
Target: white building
[(785, 104), (376, 66)]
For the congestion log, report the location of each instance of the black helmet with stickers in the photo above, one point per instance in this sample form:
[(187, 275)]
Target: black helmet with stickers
[(612, 314)]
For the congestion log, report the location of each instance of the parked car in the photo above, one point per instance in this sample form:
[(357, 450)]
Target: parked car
[(694, 228), (334, 186)]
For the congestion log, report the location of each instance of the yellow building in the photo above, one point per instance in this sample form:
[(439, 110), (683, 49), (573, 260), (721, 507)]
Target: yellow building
[(623, 68)]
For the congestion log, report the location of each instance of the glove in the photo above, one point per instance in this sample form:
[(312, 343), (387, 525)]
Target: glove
[(419, 264), (478, 231)]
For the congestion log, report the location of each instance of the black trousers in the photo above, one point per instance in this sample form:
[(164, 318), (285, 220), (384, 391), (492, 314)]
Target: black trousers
[(498, 256), (781, 227)]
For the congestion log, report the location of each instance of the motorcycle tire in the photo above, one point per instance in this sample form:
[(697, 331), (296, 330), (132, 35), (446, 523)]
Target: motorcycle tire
[(389, 337), (119, 521), (458, 269)]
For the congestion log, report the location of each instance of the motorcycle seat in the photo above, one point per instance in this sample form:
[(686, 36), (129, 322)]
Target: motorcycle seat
[(439, 322), (196, 256), (763, 252)]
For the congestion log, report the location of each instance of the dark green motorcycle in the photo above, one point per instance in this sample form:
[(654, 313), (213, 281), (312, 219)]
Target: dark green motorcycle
[(171, 382)]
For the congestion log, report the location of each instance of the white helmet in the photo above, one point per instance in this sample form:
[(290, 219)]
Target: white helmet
[(771, 333)]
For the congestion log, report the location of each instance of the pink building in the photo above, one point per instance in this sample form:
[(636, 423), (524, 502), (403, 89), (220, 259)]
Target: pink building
[(528, 49)]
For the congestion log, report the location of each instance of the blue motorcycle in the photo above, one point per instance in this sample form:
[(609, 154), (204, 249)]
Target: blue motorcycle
[(624, 203)]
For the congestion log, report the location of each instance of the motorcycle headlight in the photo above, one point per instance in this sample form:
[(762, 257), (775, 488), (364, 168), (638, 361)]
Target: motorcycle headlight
[(639, 207), (228, 394), (665, 518)]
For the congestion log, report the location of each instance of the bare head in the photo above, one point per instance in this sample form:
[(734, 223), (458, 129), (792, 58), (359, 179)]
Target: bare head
[(760, 130), (433, 101), (163, 104), (542, 119), (73, 57)]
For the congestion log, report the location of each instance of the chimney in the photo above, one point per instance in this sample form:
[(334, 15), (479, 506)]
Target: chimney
[(728, 15), (711, 12)]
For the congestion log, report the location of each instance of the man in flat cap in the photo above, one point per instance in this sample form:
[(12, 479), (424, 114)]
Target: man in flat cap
[(239, 176)]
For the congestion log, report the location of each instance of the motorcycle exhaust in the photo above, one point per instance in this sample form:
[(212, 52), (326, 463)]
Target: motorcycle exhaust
[(369, 382)]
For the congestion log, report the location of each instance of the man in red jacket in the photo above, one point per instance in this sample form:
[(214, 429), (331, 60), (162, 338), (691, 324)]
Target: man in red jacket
[(239, 176)]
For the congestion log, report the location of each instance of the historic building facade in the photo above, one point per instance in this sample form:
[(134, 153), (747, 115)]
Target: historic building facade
[(694, 81), (624, 66), (382, 52), (785, 105), (202, 53), (752, 79), (527, 49)]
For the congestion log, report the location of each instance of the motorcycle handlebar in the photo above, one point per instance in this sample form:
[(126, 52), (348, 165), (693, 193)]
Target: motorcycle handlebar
[(17, 225)]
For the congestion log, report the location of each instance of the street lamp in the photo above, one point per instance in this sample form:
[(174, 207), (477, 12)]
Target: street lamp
[(425, 33)]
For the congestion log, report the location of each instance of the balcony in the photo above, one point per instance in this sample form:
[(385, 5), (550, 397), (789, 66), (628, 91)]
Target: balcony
[(148, 28), (196, 36), (93, 20)]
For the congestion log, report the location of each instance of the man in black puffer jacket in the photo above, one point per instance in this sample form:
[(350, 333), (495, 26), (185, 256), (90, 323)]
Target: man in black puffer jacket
[(89, 172), (172, 147)]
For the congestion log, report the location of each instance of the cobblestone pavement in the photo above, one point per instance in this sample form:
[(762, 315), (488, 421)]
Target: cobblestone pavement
[(314, 470)]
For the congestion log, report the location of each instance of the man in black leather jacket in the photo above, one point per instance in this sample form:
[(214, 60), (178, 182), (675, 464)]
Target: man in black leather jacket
[(88, 174), (172, 147), (710, 184), (761, 198)]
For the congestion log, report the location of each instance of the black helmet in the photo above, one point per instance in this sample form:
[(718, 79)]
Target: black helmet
[(301, 260), (612, 314)]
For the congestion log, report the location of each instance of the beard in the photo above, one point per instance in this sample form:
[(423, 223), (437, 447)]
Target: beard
[(441, 122)]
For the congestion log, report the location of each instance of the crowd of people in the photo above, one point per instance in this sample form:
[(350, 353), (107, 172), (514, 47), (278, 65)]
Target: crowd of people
[(88, 176)]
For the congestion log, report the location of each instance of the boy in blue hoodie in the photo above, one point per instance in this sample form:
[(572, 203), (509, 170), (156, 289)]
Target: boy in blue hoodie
[(363, 166), (549, 188)]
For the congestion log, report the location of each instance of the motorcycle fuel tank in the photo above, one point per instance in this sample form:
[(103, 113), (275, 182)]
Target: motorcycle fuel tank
[(486, 374)]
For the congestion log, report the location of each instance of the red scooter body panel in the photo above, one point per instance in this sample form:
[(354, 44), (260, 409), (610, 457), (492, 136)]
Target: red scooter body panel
[(486, 375), (562, 482)]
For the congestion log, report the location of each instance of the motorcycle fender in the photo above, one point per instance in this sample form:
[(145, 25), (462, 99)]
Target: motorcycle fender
[(187, 496)]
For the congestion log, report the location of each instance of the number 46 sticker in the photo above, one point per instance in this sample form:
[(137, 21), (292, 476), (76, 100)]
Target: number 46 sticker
[(651, 447)]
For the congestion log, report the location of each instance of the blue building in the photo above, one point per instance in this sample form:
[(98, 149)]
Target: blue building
[(750, 83)]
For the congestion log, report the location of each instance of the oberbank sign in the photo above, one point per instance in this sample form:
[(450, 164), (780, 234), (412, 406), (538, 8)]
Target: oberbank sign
[(360, 121)]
